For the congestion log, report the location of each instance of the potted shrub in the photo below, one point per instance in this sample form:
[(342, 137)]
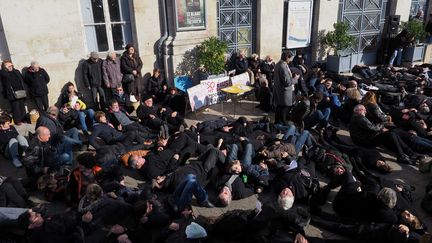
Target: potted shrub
[(339, 41), (211, 55), (415, 30)]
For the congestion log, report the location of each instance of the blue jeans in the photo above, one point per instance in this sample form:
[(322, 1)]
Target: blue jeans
[(72, 136), (421, 144), (14, 147), (82, 117), (298, 139), (318, 117), (397, 55), (248, 153), (189, 187), (64, 154)]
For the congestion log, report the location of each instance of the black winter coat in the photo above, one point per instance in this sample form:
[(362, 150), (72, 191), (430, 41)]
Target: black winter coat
[(6, 136), (129, 64), (53, 125), (362, 131), (37, 82), (11, 81), (92, 73), (158, 163), (104, 131)]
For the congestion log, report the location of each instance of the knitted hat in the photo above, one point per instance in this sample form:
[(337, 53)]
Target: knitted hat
[(195, 231)]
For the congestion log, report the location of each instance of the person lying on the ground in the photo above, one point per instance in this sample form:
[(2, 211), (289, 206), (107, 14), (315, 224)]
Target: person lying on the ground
[(296, 177), (157, 162), (13, 194), (104, 130), (256, 174)]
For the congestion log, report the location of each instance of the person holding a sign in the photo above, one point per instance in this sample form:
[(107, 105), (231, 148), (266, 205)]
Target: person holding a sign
[(283, 88)]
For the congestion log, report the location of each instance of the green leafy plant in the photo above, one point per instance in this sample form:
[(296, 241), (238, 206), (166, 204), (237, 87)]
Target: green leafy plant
[(211, 54), (414, 28), (338, 39)]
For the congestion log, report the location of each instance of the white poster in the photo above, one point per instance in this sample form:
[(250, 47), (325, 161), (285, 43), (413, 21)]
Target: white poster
[(198, 96), (214, 86), (242, 79), (299, 23)]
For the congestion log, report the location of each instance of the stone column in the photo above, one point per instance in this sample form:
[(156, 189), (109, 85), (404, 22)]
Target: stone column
[(270, 28), (400, 7), (326, 14)]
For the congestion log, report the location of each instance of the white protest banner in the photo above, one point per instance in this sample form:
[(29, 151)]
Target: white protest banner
[(198, 96), (214, 86), (241, 79)]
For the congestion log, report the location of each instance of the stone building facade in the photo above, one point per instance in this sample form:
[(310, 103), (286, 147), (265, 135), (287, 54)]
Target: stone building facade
[(60, 34)]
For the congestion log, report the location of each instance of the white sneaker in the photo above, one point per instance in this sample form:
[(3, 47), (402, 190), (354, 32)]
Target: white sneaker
[(132, 99), (17, 163)]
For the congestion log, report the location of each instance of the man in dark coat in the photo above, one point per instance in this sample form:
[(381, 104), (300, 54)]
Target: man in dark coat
[(365, 133), (37, 79), (283, 88), (92, 69)]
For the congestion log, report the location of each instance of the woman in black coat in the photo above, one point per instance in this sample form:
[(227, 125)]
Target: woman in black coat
[(12, 81), (131, 65), (37, 79)]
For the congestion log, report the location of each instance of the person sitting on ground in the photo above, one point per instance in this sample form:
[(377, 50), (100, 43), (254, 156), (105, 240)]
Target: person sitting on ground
[(42, 157), (159, 118), (58, 135), (75, 103), (122, 121), (12, 144), (104, 130), (365, 133), (123, 99)]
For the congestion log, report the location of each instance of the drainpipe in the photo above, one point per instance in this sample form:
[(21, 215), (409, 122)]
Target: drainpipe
[(164, 37)]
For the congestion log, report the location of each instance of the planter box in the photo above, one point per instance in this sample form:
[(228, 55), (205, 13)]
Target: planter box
[(414, 53), (338, 64)]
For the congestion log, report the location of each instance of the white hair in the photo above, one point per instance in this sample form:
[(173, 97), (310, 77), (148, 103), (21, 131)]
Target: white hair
[(285, 202)]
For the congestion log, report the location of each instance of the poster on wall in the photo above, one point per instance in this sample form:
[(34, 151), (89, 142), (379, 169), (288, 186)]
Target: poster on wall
[(299, 23), (214, 89), (190, 14)]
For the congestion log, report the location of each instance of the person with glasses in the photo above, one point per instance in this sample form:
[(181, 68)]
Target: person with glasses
[(123, 99)]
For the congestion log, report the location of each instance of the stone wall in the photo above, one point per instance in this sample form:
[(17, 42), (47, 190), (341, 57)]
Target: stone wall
[(270, 28), (48, 31)]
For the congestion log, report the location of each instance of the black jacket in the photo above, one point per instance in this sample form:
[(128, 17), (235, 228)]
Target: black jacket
[(241, 66), (11, 81), (128, 64), (179, 175), (6, 136), (65, 97), (362, 131), (53, 125), (37, 81), (239, 189), (375, 114), (158, 163), (104, 131), (92, 73), (37, 156)]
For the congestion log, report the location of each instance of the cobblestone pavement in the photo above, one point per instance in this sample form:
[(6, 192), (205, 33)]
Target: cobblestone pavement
[(407, 174)]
